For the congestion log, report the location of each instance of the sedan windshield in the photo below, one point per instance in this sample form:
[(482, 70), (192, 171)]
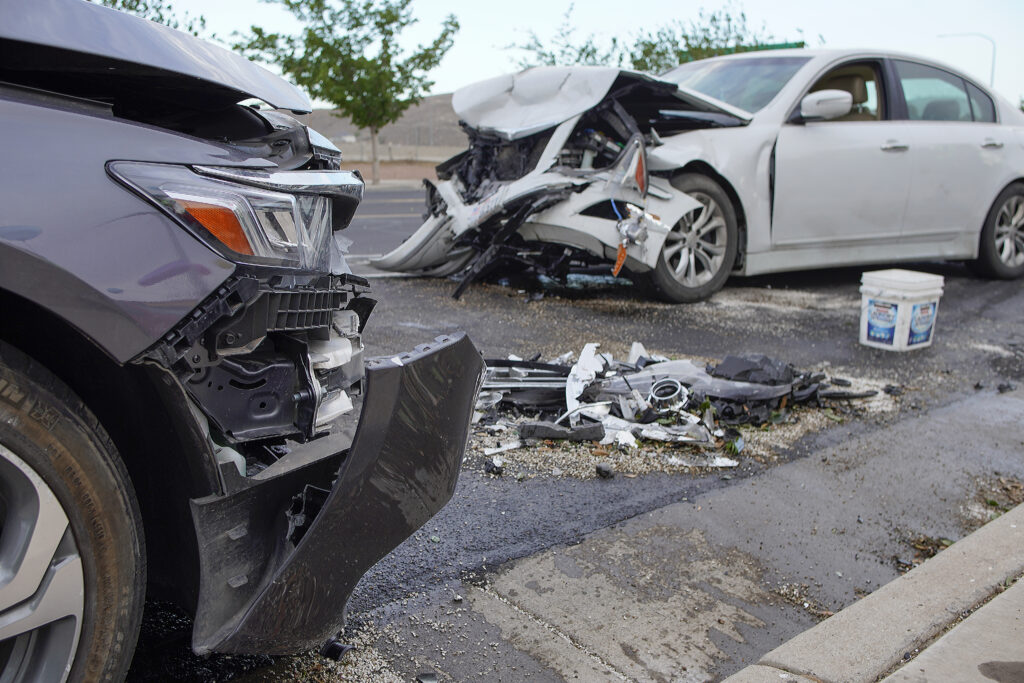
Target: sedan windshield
[(748, 83)]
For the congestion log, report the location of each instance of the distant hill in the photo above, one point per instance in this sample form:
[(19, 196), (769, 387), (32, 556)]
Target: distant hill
[(430, 123)]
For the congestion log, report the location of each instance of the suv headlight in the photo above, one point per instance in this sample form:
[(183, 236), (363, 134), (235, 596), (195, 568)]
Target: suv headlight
[(256, 216)]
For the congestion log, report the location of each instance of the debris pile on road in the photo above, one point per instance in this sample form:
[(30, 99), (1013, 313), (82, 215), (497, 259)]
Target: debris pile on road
[(647, 406)]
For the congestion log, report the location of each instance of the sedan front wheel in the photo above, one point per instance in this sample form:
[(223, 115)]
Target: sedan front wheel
[(72, 571), (700, 250)]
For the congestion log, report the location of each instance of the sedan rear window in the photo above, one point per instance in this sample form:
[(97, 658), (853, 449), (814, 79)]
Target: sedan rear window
[(981, 105), (749, 83)]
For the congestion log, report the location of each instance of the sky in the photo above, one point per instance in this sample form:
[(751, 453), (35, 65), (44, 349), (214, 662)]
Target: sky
[(487, 28)]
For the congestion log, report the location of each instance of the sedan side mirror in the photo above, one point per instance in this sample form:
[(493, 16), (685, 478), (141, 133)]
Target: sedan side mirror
[(825, 104)]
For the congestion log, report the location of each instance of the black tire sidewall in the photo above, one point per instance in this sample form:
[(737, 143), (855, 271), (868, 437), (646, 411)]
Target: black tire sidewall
[(51, 430), (666, 286), (988, 262)]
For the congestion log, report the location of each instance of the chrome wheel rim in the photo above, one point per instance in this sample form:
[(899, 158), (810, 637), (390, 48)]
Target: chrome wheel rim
[(42, 584), (1009, 232), (694, 249)]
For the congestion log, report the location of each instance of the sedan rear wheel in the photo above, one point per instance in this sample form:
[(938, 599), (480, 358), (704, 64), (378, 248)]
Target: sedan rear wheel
[(700, 250), (1001, 250)]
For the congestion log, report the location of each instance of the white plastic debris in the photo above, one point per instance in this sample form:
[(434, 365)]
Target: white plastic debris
[(485, 400), (715, 461), (685, 433), (580, 377), (625, 441), (566, 358), (510, 446)]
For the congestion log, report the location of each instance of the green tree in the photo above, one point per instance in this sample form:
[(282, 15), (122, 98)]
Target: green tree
[(161, 12), (722, 31), (710, 34), (348, 54), (565, 50)]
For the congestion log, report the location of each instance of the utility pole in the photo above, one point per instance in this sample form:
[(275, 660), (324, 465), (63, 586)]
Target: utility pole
[(992, 73)]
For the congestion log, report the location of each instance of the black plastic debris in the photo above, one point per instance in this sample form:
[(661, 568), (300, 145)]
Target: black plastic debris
[(604, 470), (1005, 387), (427, 677), (893, 389), (847, 395), (495, 466), (806, 393), (587, 431), (756, 368), (335, 649), (840, 382)]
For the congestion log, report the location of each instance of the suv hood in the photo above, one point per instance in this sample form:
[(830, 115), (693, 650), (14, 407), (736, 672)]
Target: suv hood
[(74, 42), (514, 106)]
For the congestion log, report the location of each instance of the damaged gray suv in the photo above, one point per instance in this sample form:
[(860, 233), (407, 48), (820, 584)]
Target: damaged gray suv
[(185, 410)]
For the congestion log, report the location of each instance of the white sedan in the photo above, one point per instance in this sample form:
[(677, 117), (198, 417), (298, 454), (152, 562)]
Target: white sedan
[(746, 164)]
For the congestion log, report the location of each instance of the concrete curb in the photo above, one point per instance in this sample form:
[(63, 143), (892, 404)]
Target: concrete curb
[(868, 638), (984, 646)]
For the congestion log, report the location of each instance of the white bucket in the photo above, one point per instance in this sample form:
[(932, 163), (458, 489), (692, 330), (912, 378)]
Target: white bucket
[(898, 309)]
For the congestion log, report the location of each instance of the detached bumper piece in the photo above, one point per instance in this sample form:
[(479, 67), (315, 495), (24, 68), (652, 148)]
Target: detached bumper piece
[(281, 557)]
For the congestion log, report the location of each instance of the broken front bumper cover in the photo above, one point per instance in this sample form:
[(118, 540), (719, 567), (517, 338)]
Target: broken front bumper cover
[(265, 590)]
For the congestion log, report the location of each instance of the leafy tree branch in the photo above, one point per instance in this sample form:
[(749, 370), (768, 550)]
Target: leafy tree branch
[(348, 54)]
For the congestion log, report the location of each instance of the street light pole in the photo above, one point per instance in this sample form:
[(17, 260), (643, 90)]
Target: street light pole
[(992, 74)]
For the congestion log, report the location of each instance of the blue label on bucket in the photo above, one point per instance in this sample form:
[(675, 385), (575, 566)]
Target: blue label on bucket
[(922, 319), (882, 321)]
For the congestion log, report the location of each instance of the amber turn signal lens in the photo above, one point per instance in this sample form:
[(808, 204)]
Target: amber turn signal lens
[(222, 224), (641, 175)]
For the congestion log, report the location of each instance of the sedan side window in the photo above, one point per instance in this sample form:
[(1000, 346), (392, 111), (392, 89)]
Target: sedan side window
[(861, 81), (935, 95), (981, 105)]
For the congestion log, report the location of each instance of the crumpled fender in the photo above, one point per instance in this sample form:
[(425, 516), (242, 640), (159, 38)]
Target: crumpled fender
[(564, 224)]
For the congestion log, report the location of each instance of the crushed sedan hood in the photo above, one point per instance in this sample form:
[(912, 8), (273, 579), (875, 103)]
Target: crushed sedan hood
[(72, 43), (514, 106)]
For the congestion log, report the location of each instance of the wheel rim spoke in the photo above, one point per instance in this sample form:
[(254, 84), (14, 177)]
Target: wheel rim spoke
[(1017, 213), (691, 268), (35, 526), (42, 583), (63, 587), (684, 258), (712, 249), (704, 259), (673, 250), (695, 248), (1009, 232), (714, 225)]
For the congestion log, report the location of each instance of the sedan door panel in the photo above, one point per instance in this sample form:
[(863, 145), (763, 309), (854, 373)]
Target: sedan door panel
[(840, 183)]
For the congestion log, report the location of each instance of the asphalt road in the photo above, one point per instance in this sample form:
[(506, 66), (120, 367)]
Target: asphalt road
[(497, 529), (385, 218)]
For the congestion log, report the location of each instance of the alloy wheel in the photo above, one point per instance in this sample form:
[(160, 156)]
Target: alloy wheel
[(42, 584), (695, 248), (1009, 231)]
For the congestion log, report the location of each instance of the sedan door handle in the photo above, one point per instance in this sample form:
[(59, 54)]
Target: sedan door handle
[(991, 144), (894, 146)]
